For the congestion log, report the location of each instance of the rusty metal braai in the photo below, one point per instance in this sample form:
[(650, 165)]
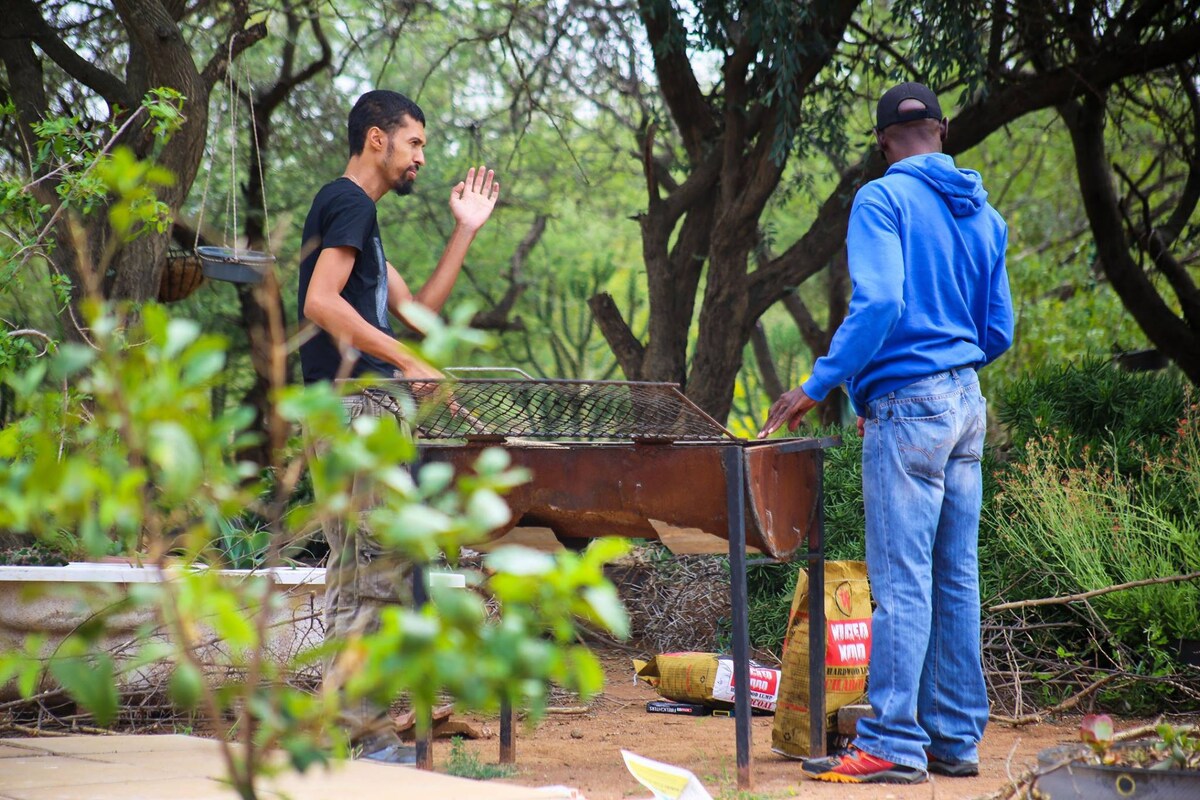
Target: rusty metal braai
[(633, 459)]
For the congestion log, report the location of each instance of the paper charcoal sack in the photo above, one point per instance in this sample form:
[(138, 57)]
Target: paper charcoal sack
[(847, 654)]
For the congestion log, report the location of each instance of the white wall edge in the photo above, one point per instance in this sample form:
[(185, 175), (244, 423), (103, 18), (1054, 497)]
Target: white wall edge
[(92, 572)]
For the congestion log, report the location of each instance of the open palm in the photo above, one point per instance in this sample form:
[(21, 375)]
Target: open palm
[(472, 200)]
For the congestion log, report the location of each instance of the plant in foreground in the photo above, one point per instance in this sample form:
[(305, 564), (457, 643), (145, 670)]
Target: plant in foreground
[(1175, 748), (465, 764), (133, 453)]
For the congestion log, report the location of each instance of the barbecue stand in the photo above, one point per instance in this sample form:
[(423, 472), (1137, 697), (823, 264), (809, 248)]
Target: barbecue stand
[(613, 458)]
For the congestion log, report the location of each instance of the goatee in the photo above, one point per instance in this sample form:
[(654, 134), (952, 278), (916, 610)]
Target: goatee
[(403, 187)]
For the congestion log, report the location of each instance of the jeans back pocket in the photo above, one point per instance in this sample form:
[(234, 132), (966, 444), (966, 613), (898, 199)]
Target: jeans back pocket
[(926, 431)]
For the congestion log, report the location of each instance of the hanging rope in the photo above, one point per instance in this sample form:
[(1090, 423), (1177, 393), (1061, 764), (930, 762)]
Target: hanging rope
[(231, 195), (229, 262)]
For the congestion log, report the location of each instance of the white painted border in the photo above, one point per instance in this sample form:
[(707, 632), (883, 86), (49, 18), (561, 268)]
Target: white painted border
[(93, 572)]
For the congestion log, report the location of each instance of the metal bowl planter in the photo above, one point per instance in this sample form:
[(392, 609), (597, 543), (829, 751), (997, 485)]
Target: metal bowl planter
[(1069, 777), (233, 265)]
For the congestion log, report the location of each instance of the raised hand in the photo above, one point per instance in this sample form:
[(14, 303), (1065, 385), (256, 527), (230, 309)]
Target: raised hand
[(472, 200)]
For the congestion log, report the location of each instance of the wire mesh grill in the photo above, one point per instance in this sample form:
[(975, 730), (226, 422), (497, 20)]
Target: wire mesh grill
[(548, 409)]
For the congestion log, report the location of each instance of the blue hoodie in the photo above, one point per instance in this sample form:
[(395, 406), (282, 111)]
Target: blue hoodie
[(930, 292)]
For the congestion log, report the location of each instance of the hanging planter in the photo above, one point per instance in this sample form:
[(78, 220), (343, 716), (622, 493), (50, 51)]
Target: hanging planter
[(181, 276), (231, 264), (234, 264)]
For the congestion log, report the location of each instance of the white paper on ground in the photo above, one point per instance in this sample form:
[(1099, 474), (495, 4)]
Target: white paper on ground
[(666, 781)]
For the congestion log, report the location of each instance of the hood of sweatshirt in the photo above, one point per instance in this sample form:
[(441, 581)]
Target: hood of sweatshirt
[(962, 189)]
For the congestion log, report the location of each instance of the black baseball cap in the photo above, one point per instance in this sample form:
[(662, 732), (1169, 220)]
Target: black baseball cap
[(888, 112)]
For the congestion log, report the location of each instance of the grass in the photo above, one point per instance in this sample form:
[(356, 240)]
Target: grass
[(465, 764)]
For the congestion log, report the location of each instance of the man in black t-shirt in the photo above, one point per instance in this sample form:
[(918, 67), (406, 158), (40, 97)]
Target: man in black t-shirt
[(347, 289)]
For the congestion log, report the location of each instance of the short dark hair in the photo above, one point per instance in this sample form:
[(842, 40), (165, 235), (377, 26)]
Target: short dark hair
[(382, 109), (888, 111)]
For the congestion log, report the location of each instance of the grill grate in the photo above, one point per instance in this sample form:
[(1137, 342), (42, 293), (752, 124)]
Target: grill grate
[(548, 409)]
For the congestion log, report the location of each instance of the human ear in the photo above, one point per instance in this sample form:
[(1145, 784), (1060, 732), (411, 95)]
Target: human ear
[(376, 138)]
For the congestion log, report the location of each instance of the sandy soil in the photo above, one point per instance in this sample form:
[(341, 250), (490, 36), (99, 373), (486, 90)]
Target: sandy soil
[(583, 751)]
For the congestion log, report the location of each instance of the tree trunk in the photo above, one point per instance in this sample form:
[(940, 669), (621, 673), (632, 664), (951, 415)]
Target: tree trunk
[(1170, 333)]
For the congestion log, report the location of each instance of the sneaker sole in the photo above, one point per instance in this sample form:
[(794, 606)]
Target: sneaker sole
[(878, 777), (962, 770)]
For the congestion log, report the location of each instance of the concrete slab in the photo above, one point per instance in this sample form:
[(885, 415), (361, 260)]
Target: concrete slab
[(89, 745), (189, 768), (173, 789), (189, 765), (28, 773), (366, 780), (11, 751)]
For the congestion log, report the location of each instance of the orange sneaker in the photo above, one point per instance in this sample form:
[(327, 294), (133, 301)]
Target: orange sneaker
[(856, 766)]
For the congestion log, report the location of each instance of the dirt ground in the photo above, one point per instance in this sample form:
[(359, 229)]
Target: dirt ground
[(583, 751)]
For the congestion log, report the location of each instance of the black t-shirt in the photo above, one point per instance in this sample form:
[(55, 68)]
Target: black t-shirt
[(342, 215)]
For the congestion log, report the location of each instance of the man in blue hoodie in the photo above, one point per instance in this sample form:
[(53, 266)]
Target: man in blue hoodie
[(930, 305)]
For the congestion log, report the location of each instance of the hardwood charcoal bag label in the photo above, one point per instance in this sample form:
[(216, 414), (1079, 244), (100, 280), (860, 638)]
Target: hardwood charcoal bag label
[(847, 654), (764, 685)]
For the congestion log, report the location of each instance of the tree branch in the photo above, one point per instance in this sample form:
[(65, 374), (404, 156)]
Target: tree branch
[(1170, 334), (25, 21), (677, 82), (496, 318), (1075, 598), (772, 385), (625, 346)]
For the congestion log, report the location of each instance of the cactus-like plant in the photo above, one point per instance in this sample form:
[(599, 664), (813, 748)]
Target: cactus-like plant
[(1096, 731)]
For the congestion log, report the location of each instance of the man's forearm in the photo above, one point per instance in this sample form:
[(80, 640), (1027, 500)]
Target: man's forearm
[(437, 289), (339, 319)]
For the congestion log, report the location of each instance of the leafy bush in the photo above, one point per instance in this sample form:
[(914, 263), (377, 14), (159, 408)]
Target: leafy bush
[(1101, 488), (1076, 529), (1090, 405), (32, 555), (133, 454), (465, 764)]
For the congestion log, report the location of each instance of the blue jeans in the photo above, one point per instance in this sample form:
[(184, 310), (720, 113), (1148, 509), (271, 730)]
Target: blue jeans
[(922, 490)]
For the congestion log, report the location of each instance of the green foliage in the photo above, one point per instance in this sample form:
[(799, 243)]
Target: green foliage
[(1091, 405), (242, 544), (1096, 731), (1179, 747), (32, 555), (135, 456), (149, 460), (947, 41), (1103, 490), (87, 174), (465, 764), (1071, 529)]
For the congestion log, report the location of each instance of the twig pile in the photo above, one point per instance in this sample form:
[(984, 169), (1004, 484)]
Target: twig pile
[(674, 602), (1044, 657)]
